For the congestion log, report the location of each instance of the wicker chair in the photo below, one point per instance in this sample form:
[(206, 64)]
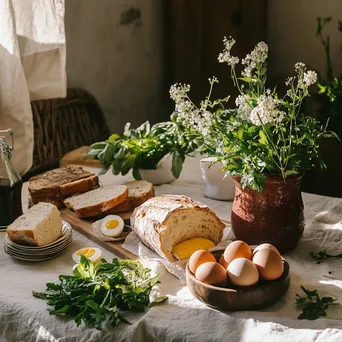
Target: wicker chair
[(62, 125)]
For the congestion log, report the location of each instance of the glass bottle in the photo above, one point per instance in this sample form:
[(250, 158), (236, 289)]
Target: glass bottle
[(10, 184)]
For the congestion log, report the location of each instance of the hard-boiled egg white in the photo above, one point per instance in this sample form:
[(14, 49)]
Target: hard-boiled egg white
[(112, 225), (92, 253)]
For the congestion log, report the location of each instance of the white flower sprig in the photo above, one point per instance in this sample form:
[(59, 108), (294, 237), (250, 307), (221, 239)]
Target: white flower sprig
[(263, 133), (225, 56)]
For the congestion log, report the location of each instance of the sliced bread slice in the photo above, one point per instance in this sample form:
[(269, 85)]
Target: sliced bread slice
[(40, 226), (138, 193), (98, 201)]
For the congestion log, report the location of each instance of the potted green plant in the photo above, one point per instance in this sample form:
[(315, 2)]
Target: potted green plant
[(154, 153), (265, 143)]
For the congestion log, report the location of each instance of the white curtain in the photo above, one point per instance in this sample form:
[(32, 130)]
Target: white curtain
[(32, 66)]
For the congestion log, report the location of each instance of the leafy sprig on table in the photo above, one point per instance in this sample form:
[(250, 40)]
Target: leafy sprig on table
[(98, 294), (323, 255), (313, 305), (143, 148)]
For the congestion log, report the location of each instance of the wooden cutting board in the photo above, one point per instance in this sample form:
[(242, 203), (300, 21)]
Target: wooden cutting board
[(85, 227)]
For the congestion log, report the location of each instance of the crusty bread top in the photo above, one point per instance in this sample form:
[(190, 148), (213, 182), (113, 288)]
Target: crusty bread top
[(32, 217), (50, 180), (167, 204)]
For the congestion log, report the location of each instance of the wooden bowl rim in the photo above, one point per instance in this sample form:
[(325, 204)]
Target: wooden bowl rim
[(242, 288)]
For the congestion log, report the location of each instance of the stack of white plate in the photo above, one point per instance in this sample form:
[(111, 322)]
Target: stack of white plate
[(30, 253)]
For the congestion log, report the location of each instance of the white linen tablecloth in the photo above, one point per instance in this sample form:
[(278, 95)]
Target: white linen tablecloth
[(184, 318)]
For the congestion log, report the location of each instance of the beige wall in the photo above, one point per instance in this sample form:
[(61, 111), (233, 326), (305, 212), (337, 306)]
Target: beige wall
[(292, 35), (122, 65)]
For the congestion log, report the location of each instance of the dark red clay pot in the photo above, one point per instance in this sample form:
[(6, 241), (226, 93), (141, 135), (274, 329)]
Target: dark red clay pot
[(274, 215)]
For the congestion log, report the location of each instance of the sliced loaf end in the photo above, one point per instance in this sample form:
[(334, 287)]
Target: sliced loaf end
[(40, 226)]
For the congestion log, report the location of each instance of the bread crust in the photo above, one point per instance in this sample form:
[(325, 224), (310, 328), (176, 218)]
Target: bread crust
[(83, 181), (97, 209), (43, 184), (150, 220)]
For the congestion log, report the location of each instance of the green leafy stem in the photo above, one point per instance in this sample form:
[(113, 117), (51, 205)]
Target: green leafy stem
[(320, 256), (312, 305)]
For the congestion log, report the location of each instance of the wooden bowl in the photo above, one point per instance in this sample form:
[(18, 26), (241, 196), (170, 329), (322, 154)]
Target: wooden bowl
[(240, 298)]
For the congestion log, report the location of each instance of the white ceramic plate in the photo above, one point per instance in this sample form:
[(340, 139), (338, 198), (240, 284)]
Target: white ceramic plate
[(25, 258), (39, 252), (66, 231)]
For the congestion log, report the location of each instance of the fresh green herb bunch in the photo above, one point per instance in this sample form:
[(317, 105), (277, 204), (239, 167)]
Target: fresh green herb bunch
[(98, 294), (143, 148), (330, 86), (313, 305), (264, 134)]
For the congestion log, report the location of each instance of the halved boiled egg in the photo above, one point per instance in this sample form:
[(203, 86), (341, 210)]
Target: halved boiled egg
[(92, 253), (112, 225)]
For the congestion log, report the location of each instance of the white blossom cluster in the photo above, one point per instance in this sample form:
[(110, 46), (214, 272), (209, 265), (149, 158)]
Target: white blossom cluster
[(225, 56), (266, 111), (305, 78), (244, 107), (187, 113), (255, 59)]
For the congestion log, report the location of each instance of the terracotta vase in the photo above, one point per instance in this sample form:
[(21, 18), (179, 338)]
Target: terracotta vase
[(274, 215)]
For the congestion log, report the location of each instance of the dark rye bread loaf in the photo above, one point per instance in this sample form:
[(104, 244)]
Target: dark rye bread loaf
[(56, 185), (164, 221)]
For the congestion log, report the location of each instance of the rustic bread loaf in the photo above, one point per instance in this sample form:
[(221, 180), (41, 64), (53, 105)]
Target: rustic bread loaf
[(164, 221), (40, 226), (138, 193), (56, 185), (98, 201)]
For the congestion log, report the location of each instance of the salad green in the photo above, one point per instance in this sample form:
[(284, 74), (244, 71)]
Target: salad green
[(99, 294)]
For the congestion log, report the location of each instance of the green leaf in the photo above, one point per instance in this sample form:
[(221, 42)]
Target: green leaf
[(113, 137), (177, 164), (120, 154), (104, 170), (245, 79), (263, 138), (136, 174), (106, 155), (98, 145), (159, 300), (128, 164), (91, 304), (116, 166)]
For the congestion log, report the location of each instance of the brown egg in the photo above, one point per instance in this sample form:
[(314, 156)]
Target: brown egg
[(242, 272), (223, 262), (265, 246), (198, 258), (269, 263), (211, 273), (237, 249)]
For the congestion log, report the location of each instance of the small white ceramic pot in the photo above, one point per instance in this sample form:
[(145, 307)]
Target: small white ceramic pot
[(163, 173), (216, 185)]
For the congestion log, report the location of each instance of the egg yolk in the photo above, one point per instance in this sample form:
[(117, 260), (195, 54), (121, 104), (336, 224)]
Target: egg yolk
[(112, 224), (87, 252)]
